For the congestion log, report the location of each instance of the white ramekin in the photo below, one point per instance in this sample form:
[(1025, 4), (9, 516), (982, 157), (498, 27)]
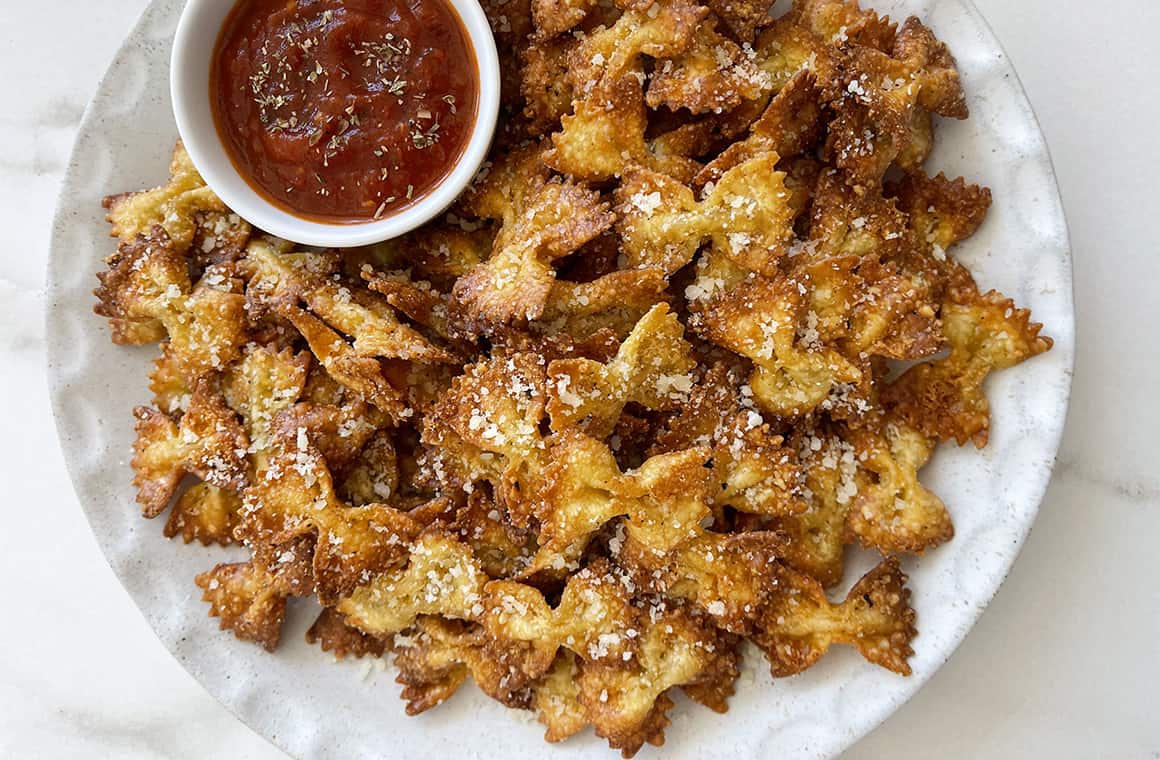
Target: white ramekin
[(189, 77)]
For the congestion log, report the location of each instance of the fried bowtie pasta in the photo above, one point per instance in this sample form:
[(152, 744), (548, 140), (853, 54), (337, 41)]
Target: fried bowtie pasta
[(626, 405)]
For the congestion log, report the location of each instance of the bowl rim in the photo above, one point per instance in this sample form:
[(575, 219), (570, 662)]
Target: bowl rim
[(197, 32)]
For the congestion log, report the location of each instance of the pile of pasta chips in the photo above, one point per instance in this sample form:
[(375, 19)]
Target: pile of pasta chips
[(691, 334)]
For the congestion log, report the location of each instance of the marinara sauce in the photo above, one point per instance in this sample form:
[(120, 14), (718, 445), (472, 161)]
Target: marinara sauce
[(344, 110)]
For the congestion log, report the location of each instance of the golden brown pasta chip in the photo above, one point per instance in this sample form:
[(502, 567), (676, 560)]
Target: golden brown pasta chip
[(712, 75), (792, 373), (817, 537), (893, 512), (247, 601), (615, 302), (882, 113), (745, 216), (583, 488), (556, 699), (331, 632), (752, 470), (204, 513), (604, 136), (660, 30), (441, 578), (788, 126), (629, 403), (249, 598), (208, 442), (146, 294), (944, 398), (175, 206), (515, 282), (629, 706), (875, 618), (650, 369)]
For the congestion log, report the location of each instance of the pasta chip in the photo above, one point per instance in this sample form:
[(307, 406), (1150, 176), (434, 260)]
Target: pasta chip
[(361, 374), (745, 216), (755, 473), (556, 700), (789, 126), (651, 369), (629, 706), (875, 618), (515, 282), (615, 302), (604, 136), (713, 75), (612, 54), (488, 428), (174, 206), (331, 632), (883, 114), (583, 488), (247, 601), (441, 578), (791, 374), (249, 598), (208, 442), (545, 84), (282, 281), (942, 212), (625, 406), (944, 398), (892, 511), (294, 496), (438, 658), (263, 383), (204, 513), (146, 294), (817, 537)]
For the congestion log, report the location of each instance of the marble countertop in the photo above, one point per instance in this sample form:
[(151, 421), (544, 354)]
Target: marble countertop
[(1063, 664)]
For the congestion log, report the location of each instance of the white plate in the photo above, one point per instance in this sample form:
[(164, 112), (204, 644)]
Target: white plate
[(299, 699)]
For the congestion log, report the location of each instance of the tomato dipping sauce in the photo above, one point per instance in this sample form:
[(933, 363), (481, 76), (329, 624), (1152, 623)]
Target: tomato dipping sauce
[(344, 111)]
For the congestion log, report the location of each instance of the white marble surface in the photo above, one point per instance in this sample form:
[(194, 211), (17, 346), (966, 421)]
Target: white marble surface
[(1064, 662)]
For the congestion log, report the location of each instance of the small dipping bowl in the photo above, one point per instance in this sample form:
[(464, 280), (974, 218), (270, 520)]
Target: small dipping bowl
[(189, 82)]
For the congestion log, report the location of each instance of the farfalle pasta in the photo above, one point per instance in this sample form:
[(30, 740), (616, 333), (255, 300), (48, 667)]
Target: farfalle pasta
[(694, 330)]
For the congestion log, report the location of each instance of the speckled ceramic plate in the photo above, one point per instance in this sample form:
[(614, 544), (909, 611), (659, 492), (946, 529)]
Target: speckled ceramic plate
[(311, 707)]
